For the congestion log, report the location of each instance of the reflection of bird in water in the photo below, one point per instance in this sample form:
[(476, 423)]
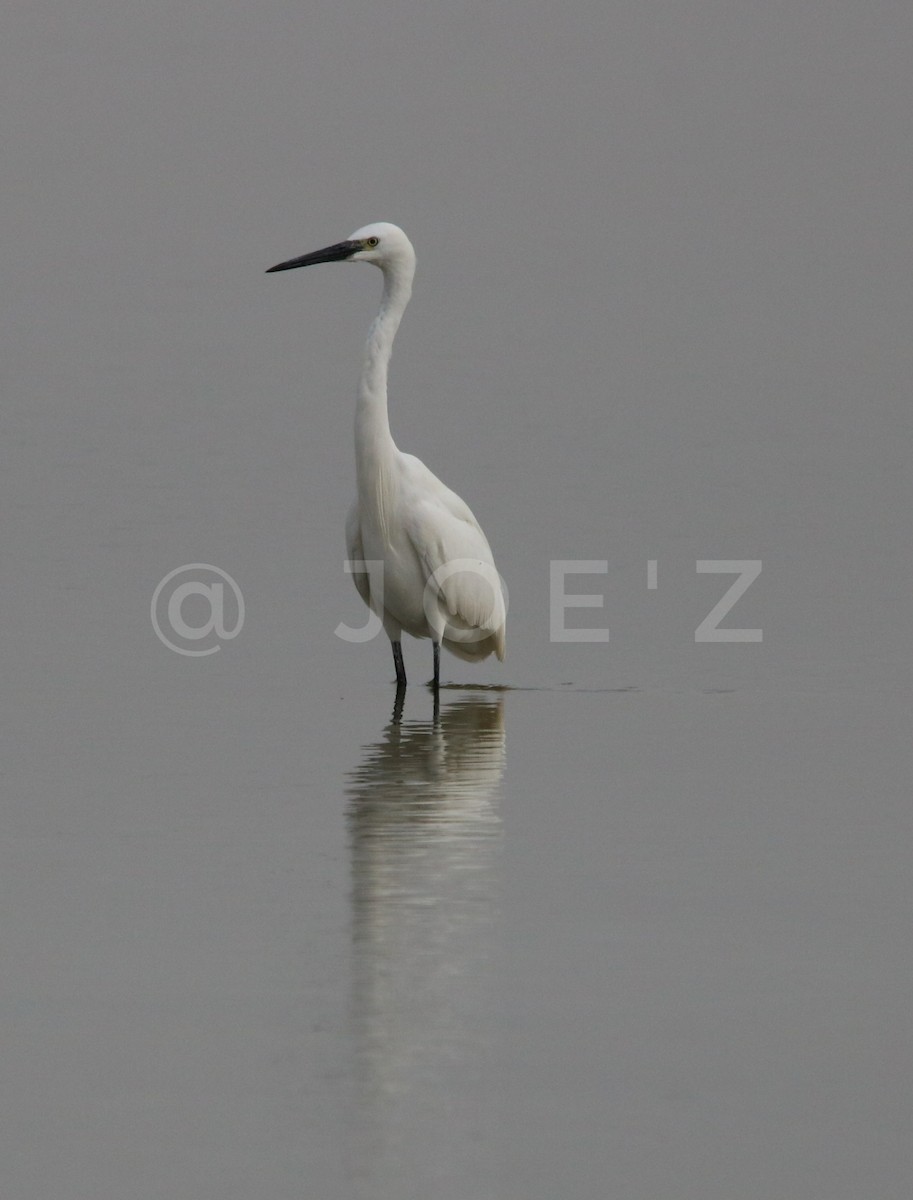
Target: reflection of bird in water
[(424, 839)]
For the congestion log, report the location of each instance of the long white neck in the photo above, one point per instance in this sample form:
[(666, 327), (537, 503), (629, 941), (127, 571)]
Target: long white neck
[(374, 445)]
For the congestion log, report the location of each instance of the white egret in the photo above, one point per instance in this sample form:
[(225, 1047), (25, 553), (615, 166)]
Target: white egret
[(418, 556)]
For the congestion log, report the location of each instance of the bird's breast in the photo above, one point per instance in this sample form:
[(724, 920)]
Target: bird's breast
[(397, 579)]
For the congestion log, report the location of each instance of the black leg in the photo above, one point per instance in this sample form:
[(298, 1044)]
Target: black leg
[(398, 703), (436, 682), (398, 663)]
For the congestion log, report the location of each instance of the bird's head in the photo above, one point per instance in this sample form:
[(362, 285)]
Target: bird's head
[(382, 244)]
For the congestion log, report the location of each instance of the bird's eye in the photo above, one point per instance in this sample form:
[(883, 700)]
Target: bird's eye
[(371, 242)]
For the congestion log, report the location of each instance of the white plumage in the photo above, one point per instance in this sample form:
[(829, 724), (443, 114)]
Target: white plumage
[(419, 557)]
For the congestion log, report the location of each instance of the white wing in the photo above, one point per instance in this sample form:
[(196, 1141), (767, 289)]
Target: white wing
[(455, 552)]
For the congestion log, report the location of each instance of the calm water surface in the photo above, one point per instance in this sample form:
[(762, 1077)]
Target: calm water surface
[(631, 920), (552, 935)]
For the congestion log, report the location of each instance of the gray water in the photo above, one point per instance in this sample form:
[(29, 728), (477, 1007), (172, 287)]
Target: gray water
[(626, 918)]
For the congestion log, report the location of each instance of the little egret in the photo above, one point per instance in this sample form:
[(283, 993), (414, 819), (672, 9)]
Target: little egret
[(418, 556)]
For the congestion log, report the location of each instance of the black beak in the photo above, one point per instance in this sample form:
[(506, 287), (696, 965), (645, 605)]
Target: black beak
[(337, 253)]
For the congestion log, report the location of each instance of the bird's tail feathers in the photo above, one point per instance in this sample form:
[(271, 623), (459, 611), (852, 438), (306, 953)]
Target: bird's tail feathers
[(475, 651)]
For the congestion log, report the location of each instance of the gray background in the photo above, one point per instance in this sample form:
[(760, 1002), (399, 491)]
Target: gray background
[(639, 924)]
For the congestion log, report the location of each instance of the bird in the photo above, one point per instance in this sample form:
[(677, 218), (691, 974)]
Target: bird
[(417, 554)]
